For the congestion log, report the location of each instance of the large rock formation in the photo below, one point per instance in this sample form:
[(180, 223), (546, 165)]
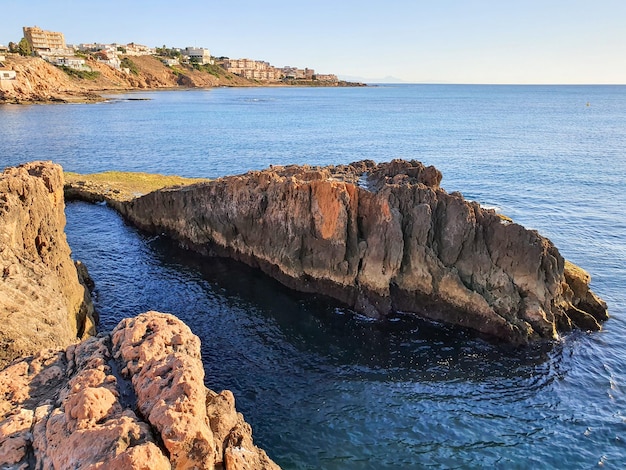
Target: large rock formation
[(381, 238), (134, 399), (42, 302)]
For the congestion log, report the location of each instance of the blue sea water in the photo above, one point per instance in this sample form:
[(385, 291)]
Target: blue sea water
[(322, 387)]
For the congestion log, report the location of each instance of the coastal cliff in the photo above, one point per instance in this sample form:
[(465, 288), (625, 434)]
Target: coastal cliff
[(37, 81), (381, 238), (40, 82), (43, 304), (131, 399)]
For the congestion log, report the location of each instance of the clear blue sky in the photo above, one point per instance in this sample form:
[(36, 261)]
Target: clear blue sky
[(448, 41)]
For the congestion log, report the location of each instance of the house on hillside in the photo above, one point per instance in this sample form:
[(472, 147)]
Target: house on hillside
[(171, 62), (75, 63), (198, 55), (108, 57), (138, 49)]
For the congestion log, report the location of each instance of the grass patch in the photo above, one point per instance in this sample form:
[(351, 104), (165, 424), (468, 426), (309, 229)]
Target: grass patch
[(123, 185), (82, 74), (212, 69), (126, 63)]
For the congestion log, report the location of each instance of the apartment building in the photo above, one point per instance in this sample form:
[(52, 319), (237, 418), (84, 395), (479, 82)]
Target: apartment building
[(329, 77), (253, 69), (45, 42), (294, 73)]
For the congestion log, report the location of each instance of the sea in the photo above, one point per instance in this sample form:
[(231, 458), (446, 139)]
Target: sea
[(323, 387)]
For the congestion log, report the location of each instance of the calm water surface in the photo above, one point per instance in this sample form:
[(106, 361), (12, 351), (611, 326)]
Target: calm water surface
[(322, 387)]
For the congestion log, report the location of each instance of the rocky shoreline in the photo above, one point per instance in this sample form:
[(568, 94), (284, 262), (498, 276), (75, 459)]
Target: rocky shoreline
[(379, 238), (132, 398)]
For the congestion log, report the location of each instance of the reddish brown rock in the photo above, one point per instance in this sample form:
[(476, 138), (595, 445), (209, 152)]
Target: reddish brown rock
[(42, 302), (72, 409), (380, 238)]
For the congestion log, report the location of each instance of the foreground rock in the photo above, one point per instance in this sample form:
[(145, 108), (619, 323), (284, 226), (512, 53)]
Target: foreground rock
[(133, 399), (42, 302), (381, 238)]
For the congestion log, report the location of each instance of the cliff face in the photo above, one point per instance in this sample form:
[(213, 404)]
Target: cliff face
[(381, 238), (38, 81), (133, 399), (42, 302)]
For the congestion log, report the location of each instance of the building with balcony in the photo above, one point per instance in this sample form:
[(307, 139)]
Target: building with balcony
[(198, 55), (45, 42), (253, 69)]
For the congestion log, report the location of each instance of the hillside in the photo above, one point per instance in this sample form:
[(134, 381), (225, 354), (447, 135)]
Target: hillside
[(39, 81)]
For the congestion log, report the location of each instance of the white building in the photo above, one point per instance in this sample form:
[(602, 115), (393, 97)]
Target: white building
[(138, 49), (171, 62), (75, 63), (7, 74), (198, 55)]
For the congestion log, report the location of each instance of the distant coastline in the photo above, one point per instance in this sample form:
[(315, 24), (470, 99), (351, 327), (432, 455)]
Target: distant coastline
[(34, 80), (42, 68)]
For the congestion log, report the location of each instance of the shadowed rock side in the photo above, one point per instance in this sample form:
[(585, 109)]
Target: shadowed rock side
[(42, 302), (133, 399), (381, 238)]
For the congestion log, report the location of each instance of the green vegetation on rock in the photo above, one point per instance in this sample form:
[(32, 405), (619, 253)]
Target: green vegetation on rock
[(83, 74), (130, 65), (123, 185)]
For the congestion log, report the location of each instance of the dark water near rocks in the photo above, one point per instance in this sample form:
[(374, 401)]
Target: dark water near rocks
[(322, 387)]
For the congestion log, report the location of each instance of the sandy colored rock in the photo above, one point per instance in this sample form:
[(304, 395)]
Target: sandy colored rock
[(381, 238), (73, 408), (42, 302)]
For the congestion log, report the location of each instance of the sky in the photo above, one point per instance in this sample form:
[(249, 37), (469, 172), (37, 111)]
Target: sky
[(415, 41)]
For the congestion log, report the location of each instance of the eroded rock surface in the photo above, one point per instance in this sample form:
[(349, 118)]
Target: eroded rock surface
[(381, 237), (133, 399), (42, 301)]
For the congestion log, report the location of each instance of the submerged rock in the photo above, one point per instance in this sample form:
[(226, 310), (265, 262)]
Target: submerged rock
[(42, 301), (381, 238), (132, 399)]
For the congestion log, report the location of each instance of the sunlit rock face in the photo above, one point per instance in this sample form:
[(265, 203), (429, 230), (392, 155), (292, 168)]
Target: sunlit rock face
[(381, 238), (42, 301)]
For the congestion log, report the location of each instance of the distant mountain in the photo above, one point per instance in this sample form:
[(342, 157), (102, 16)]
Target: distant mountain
[(387, 79)]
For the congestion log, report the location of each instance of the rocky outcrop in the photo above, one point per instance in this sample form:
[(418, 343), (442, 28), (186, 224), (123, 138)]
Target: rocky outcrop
[(381, 238), (38, 81), (131, 399), (42, 301)]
